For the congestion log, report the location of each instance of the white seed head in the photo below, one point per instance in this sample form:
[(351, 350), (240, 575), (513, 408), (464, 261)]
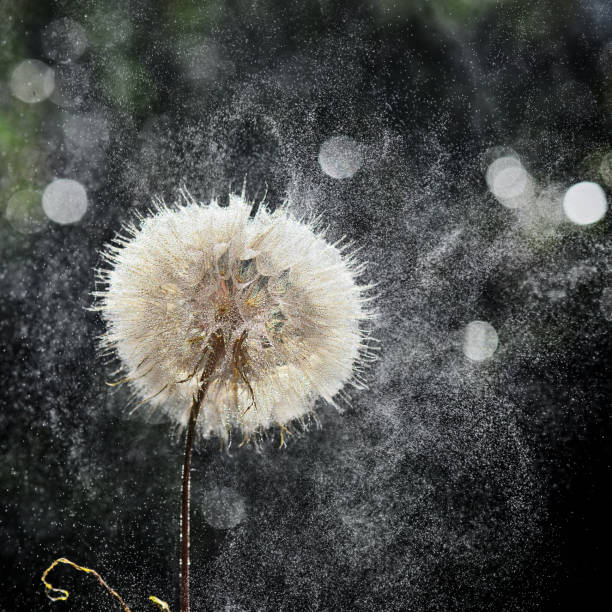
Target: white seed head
[(285, 302)]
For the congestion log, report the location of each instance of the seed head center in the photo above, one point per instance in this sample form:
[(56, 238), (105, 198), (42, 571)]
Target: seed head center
[(225, 308)]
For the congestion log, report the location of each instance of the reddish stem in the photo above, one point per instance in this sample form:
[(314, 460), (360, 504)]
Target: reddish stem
[(217, 347)]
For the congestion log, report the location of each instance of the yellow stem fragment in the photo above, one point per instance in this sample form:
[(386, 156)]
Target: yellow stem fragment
[(158, 602), (283, 430), (63, 594), (55, 594)]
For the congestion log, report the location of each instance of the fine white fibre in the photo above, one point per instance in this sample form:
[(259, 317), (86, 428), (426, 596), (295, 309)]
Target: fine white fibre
[(286, 303)]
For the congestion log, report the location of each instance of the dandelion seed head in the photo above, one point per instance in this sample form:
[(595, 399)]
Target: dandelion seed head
[(286, 303)]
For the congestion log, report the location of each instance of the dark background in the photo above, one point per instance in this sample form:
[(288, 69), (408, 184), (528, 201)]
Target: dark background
[(450, 485)]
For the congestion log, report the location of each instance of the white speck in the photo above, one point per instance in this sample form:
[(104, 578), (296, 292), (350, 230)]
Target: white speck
[(340, 157), (24, 212), (480, 340), (508, 181), (585, 203), (65, 201), (64, 40), (223, 507), (32, 81), (605, 303)]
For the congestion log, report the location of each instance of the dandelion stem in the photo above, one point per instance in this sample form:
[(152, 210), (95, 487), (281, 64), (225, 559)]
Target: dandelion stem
[(217, 348)]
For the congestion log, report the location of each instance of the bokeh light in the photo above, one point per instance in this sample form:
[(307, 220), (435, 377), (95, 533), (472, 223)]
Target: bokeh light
[(480, 340), (508, 181), (223, 507), (32, 81), (64, 40), (24, 212), (65, 201), (585, 203), (340, 157)]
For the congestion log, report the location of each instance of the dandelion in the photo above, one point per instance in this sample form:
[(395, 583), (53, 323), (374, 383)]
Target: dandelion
[(229, 321), (267, 297)]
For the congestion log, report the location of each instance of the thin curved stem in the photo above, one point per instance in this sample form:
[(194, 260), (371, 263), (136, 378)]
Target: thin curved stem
[(55, 594), (217, 347)]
